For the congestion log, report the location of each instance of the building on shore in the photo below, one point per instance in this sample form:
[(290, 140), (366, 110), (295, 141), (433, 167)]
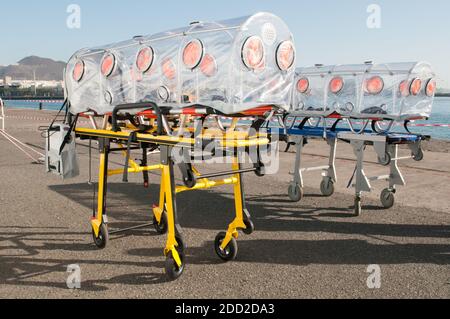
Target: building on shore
[(7, 81)]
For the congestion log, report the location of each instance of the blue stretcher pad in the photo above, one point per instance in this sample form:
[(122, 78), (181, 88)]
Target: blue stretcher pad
[(320, 132)]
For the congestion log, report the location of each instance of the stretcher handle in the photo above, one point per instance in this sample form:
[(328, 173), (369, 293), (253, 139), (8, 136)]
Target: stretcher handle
[(133, 106)]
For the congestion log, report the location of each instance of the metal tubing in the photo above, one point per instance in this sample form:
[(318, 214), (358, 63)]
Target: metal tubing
[(118, 231), (205, 184), (241, 171), (135, 170)]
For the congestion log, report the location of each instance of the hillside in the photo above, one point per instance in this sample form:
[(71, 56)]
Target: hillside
[(46, 69)]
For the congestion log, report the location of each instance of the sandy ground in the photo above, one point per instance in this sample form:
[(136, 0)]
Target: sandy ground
[(312, 249)]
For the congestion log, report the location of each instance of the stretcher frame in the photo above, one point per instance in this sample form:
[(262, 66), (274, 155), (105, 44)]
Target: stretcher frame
[(386, 146), (298, 135), (165, 213)]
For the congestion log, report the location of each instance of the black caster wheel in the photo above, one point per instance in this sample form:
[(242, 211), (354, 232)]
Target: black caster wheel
[(161, 227), (358, 207), (250, 227), (387, 198), (295, 193), (190, 180), (173, 271), (386, 160), (327, 187), (181, 245), (288, 146), (103, 237), (260, 170), (230, 252), (419, 156)]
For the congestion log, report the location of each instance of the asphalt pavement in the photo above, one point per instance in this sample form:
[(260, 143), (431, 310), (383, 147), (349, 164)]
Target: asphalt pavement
[(312, 249)]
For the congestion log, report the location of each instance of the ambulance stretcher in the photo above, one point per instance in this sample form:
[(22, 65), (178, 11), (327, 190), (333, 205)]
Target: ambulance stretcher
[(131, 136), (386, 146), (226, 68)]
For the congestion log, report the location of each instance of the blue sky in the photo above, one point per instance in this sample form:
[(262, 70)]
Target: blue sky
[(326, 31)]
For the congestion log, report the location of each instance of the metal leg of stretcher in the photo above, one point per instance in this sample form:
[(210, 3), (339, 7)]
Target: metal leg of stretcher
[(296, 188), (386, 154), (395, 178), (226, 242), (416, 150), (99, 221), (175, 247), (329, 177), (362, 183)]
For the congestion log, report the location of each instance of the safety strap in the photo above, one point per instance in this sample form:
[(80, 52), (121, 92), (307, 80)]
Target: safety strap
[(144, 164), (350, 182), (64, 105), (289, 144), (131, 139), (334, 127), (68, 135), (406, 126), (301, 126)]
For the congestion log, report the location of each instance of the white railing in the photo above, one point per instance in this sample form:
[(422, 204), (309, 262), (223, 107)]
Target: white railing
[(2, 116)]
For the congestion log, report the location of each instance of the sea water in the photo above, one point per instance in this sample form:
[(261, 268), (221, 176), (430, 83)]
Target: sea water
[(33, 105), (440, 115)]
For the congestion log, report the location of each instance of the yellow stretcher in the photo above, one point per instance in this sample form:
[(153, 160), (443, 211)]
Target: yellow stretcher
[(235, 143)]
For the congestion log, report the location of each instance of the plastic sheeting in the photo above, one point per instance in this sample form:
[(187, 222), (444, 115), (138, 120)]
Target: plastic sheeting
[(202, 64), (396, 91)]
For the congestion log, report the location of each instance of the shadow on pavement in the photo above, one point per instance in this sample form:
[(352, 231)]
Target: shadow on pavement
[(214, 211), (130, 204)]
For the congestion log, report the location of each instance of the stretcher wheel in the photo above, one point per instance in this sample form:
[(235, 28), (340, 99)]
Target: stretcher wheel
[(419, 156), (230, 252), (386, 160), (181, 245), (358, 206), (327, 187), (103, 237), (250, 227), (172, 270), (387, 198), (295, 193), (190, 180), (260, 170), (162, 226)]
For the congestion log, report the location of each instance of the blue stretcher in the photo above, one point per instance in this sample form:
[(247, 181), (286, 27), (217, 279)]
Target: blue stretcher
[(386, 146)]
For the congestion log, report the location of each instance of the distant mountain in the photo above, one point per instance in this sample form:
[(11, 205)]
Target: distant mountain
[(46, 69)]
